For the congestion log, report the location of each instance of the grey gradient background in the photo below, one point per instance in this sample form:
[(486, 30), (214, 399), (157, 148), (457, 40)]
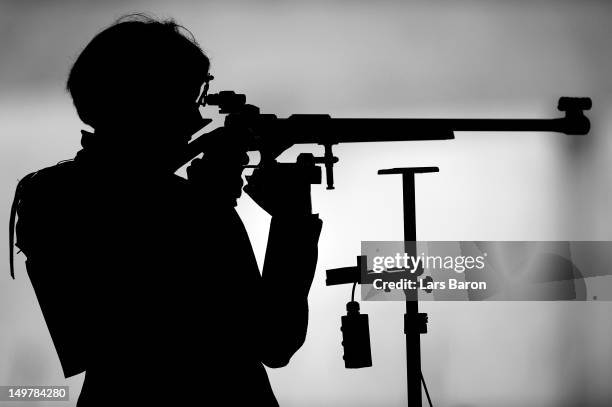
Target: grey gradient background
[(380, 59)]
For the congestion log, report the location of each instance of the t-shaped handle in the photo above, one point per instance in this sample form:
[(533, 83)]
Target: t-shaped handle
[(408, 170)]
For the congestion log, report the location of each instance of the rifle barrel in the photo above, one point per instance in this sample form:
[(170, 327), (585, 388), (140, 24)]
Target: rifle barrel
[(318, 130), (323, 129)]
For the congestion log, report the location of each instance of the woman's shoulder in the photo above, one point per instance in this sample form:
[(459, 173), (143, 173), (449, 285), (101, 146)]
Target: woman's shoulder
[(47, 180), (40, 199)]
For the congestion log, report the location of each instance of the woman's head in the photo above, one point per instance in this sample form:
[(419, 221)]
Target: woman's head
[(140, 75)]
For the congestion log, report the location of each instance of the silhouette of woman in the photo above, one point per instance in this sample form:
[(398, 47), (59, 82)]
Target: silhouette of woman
[(147, 281)]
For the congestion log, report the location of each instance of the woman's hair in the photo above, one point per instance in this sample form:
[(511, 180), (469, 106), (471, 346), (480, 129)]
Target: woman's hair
[(135, 62)]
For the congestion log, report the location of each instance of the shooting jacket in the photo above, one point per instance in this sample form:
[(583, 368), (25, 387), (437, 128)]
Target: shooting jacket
[(153, 290)]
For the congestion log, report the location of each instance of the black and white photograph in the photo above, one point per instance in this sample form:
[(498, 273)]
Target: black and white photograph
[(306, 203)]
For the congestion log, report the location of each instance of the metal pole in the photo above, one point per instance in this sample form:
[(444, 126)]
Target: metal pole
[(413, 337), (414, 323)]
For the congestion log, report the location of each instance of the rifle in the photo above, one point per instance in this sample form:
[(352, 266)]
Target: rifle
[(271, 135)]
